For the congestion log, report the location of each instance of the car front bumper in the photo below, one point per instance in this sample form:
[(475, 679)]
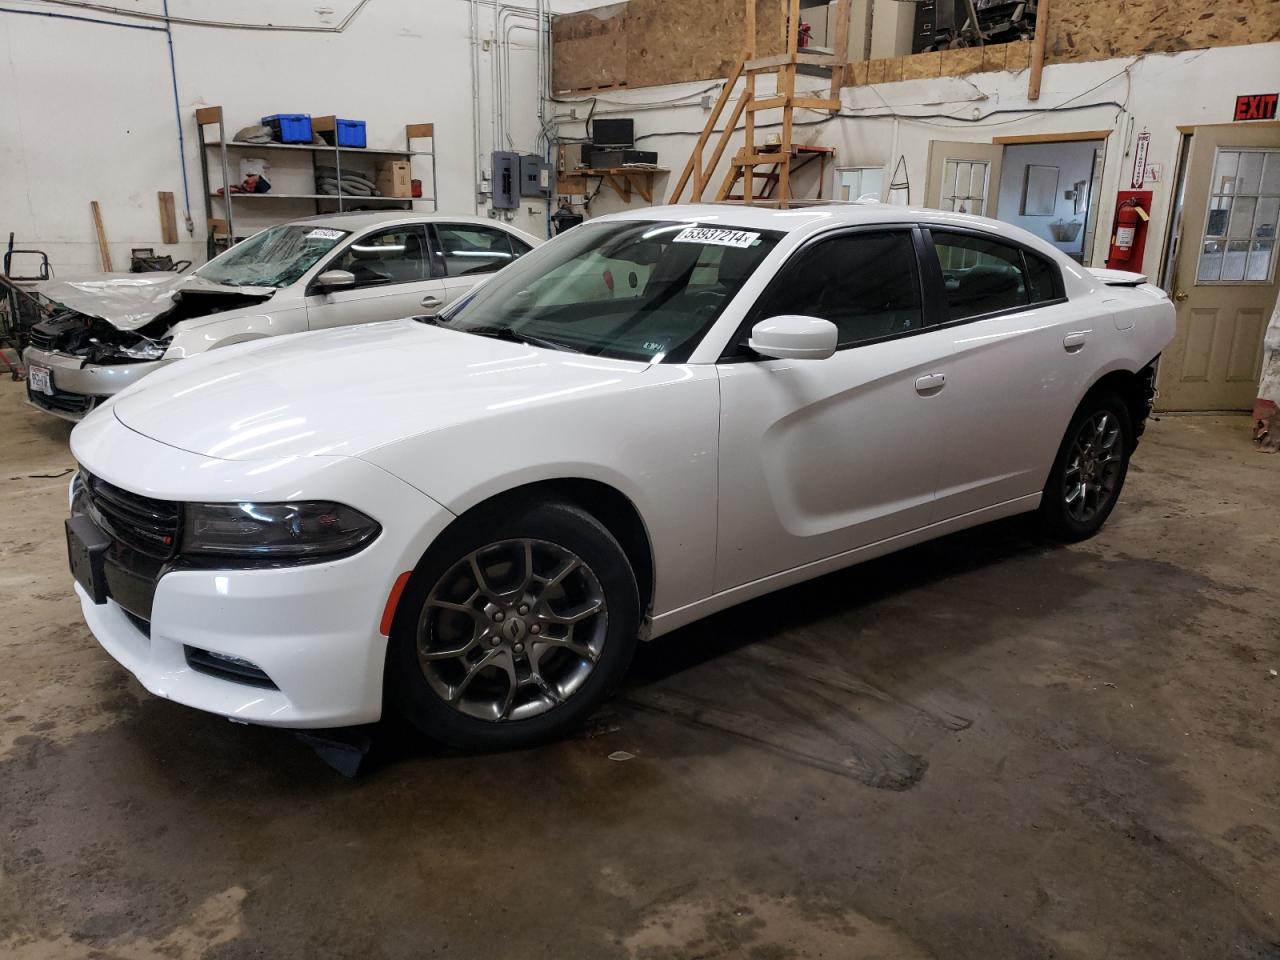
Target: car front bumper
[(312, 630), (78, 386)]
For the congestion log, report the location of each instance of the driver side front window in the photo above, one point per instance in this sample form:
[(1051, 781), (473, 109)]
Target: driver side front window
[(864, 283), (397, 255)]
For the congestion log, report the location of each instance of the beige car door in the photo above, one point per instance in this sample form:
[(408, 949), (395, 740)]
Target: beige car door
[(964, 177), (1224, 275)]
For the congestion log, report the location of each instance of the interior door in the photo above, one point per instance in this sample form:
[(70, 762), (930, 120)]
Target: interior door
[(1224, 277), (964, 177), (393, 279), (818, 457)]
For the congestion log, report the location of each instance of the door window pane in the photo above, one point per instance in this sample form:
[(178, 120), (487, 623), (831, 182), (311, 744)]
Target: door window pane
[(981, 276), (860, 183), (964, 186), (469, 249), (398, 255), (1043, 277), (1238, 245), (864, 283)]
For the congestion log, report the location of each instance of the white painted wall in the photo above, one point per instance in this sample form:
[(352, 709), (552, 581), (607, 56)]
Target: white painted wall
[(885, 121), (89, 111)]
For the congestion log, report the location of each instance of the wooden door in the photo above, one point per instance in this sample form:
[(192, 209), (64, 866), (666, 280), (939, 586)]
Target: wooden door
[(1224, 279), (964, 177)]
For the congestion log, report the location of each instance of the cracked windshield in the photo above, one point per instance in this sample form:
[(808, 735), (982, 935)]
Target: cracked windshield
[(273, 258)]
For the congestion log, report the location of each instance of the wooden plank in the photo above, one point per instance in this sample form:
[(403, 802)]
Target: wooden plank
[(766, 103), (993, 57), (815, 103), (571, 184), (789, 91), (1017, 55), (695, 156), (841, 50), (749, 137), (589, 49), (168, 217), (1054, 137), (725, 134), (208, 114), (103, 250), (414, 131), (856, 75), (1037, 50)]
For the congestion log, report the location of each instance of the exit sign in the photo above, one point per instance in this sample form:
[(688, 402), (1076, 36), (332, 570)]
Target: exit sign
[(1256, 106)]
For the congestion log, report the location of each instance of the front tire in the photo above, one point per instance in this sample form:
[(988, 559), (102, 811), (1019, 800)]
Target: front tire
[(518, 623), (1089, 471)]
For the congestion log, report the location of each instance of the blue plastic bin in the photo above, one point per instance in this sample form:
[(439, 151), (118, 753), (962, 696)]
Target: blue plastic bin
[(350, 133), (290, 127)]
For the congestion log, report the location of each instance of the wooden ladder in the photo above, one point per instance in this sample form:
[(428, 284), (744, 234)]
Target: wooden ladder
[(783, 156)]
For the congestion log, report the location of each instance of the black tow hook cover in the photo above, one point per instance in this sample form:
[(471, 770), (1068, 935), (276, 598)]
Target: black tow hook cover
[(86, 551)]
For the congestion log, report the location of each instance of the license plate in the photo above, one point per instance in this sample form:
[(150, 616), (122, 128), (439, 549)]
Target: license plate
[(86, 551), (40, 379)]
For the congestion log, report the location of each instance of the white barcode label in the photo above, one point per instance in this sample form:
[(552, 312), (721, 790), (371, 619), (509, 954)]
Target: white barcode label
[(321, 234), (717, 236)]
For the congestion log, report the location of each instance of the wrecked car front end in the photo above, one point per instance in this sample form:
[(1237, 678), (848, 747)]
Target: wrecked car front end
[(74, 361), (114, 332)]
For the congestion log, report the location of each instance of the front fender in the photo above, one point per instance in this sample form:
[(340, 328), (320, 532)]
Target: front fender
[(198, 336)]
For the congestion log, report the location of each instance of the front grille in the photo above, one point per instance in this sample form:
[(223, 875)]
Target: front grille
[(147, 525), (62, 402), (40, 339), (234, 669)]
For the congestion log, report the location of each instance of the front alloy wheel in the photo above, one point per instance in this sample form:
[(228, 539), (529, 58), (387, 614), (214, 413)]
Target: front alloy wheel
[(512, 630), (520, 619)]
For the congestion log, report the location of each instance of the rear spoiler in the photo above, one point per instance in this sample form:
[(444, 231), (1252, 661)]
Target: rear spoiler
[(1118, 278)]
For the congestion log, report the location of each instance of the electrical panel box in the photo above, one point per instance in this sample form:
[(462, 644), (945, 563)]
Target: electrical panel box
[(506, 180), (535, 176)]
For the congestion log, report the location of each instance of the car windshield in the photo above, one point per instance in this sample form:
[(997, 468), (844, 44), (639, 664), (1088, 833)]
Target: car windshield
[(276, 257), (632, 290)]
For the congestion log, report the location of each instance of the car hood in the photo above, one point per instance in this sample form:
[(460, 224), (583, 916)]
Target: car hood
[(347, 391), (128, 301)]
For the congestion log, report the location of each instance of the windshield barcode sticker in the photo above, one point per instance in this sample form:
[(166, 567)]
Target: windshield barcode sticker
[(717, 236), (321, 234)]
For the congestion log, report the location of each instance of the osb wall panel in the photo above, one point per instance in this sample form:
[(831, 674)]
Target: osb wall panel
[(1089, 30), (589, 49), (650, 42)]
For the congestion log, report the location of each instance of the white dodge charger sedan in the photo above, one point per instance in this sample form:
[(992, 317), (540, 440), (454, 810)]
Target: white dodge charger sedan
[(318, 272), (474, 517)]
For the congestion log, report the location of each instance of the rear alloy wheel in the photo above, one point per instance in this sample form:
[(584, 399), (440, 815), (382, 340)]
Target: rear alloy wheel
[(515, 637), (1090, 469)]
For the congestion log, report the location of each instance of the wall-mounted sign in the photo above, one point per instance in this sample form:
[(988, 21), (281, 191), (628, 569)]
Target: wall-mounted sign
[(1140, 159), (1256, 106)]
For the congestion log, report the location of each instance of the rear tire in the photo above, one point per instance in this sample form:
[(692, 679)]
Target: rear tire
[(519, 621), (1089, 471)]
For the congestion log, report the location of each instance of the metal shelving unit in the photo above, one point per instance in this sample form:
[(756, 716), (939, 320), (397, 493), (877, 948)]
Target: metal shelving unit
[(222, 149)]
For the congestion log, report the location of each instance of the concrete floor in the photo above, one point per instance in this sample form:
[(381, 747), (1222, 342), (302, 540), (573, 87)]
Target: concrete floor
[(985, 747)]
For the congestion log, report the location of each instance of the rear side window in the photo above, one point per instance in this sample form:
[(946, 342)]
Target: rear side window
[(1043, 276), (471, 249), (980, 276), (864, 283)]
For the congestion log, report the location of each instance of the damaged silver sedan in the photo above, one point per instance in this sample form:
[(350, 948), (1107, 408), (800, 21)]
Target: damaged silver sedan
[(308, 274)]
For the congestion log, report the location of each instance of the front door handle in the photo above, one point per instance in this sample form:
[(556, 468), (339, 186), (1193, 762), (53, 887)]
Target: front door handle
[(430, 301), (1181, 295), (928, 385), (1073, 342)]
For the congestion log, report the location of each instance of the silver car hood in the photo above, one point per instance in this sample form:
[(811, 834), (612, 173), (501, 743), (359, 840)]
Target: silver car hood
[(131, 300)]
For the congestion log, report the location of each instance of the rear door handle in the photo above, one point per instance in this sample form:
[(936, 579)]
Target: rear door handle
[(1074, 341), (928, 385), (430, 301)]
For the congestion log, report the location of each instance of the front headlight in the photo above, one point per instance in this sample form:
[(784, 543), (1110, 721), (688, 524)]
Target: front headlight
[(305, 532), (144, 350)]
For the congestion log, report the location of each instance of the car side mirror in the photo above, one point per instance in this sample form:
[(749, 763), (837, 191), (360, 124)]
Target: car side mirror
[(332, 280), (793, 337)]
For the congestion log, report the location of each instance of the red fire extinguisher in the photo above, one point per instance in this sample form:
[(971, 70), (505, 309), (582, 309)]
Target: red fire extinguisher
[(1127, 220)]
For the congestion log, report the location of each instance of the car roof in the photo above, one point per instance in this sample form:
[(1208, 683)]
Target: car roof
[(800, 217), (362, 219)]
